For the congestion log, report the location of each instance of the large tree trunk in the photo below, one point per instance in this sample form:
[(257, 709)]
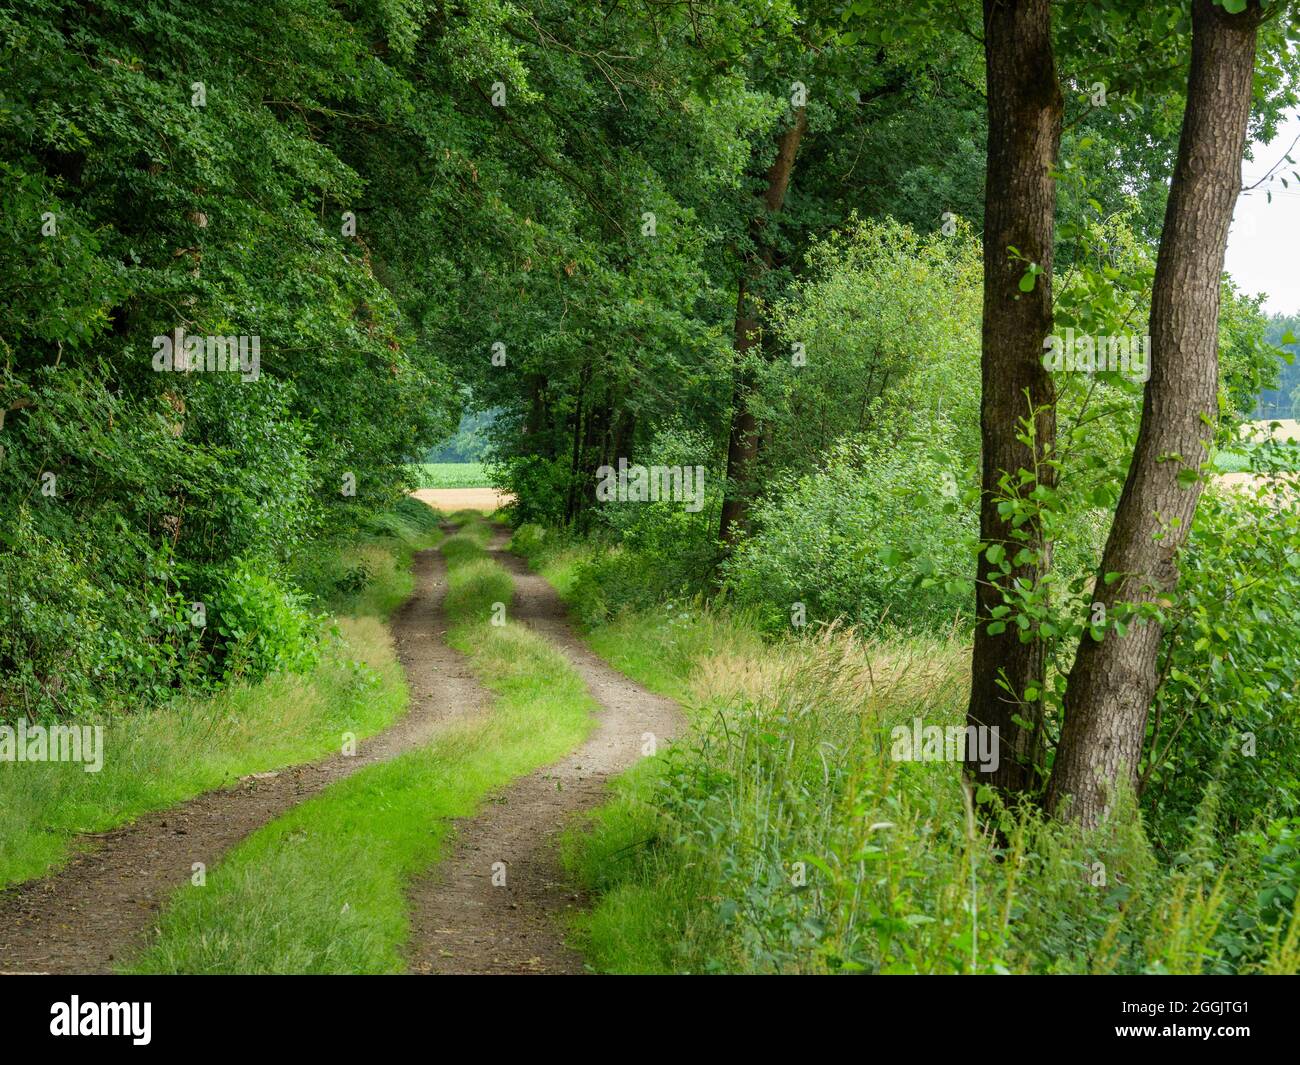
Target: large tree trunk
[(1113, 681), (742, 443), (1024, 111)]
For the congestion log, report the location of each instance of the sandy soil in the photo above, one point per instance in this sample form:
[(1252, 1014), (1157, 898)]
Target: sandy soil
[(461, 923), (1240, 480), (453, 499), (98, 910), (1287, 429)]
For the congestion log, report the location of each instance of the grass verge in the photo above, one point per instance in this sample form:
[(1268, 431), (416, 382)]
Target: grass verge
[(786, 833), (162, 757), (322, 889)]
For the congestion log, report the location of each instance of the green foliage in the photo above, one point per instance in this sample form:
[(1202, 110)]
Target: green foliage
[(886, 319), (263, 624), (1278, 847), (1281, 395), (540, 486), (186, 168), (831, 539), (367, 571), (659, 549), (1226, 712), (600, 579)]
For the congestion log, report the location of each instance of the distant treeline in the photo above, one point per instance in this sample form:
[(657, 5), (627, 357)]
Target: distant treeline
[(470, 444), (1281, 401)]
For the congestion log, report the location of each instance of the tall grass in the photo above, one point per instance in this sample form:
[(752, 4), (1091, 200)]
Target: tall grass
[(781, 835)]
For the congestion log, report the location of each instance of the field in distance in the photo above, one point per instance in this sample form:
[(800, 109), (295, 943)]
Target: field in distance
[(450, 475)]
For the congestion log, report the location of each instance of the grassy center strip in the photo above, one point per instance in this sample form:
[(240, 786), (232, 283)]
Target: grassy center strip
[(322, 889)]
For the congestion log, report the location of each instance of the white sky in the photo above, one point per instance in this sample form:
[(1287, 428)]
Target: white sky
[(1264, 242)]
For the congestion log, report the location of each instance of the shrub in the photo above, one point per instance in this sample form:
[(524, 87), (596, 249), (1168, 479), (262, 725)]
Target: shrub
[(831, 539), (261, 626), (1228, 710), (50, 644), (882, 313)]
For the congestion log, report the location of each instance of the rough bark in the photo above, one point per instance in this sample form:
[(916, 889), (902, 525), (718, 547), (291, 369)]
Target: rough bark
[(1112, 682), (742, 443), (1024, 111)]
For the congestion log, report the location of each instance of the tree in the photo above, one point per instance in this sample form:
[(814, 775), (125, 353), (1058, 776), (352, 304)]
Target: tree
[(742, 443), (1024, 115), (1113, 680)]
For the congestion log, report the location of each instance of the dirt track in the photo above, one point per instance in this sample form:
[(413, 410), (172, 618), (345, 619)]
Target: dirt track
[(460, 922), (96, 912)]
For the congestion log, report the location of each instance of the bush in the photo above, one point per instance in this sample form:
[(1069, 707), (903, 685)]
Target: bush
[(831, 539), (261, 626), (883, 313), (72, 642), (1228, 712), (540, 487), (50, 646)]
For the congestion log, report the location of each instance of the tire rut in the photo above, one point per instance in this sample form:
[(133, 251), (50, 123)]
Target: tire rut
[(97, 910), (460, 922)]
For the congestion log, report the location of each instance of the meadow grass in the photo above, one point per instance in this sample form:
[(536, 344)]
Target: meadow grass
[(781, 835), (322, 889), (157, 758)]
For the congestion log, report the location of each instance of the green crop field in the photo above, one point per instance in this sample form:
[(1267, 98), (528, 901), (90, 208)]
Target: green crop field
[(450, 475)]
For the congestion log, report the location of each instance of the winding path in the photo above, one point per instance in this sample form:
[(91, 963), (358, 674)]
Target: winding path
[(460, 921), (96, 912)]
